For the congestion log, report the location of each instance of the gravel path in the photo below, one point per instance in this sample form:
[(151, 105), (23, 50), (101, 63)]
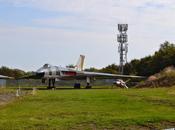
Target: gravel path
[(6, 98)]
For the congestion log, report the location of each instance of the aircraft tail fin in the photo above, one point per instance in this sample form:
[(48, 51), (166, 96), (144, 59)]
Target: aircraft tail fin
[(80, 64)]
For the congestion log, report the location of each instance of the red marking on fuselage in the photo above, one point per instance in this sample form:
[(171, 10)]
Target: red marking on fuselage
[(69, 73)]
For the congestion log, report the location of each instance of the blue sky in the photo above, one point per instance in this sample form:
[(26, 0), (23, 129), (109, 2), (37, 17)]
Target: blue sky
[(34, 32)]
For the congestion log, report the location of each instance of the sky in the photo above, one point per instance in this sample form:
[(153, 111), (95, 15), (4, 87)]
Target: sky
[(35, 32)]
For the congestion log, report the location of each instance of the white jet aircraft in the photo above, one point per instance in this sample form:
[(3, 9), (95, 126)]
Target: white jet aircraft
[(54, 73)]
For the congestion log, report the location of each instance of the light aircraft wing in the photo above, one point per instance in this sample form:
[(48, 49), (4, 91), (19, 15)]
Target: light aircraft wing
[(5, 77)]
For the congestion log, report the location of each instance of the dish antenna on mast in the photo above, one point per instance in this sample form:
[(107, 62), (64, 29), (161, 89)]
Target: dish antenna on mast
[(122, 38)]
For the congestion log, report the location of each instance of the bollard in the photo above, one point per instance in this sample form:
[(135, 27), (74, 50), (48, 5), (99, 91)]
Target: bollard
[(34, 91), (17, 93)]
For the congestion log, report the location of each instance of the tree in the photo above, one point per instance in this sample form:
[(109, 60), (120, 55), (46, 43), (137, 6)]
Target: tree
[(113, 69), (149, 65), (16, 73)]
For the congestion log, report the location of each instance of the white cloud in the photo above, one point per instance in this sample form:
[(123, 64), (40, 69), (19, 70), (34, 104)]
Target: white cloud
[(89, 27), (28, 46), (102, 11)]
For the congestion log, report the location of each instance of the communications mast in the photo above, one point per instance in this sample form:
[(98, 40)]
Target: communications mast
[(122, 38)]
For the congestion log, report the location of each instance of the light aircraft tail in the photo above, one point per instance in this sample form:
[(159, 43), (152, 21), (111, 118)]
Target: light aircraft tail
[(80, 64)]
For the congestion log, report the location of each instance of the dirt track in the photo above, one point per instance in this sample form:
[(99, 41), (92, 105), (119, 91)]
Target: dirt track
[(6, 98)]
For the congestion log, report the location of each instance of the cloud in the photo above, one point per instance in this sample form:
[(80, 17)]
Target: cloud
[(102, 11), (28, 47), (89, 27)]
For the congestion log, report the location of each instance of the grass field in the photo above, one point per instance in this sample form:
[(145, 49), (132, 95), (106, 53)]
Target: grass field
[(92, 109)]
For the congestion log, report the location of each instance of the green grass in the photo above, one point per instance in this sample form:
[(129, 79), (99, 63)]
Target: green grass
[(90, 109), (5, 90)]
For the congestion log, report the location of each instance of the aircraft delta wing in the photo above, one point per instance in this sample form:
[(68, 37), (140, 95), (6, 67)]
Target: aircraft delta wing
[(107, 75), (52, 73), (81, 75), (118, 78)]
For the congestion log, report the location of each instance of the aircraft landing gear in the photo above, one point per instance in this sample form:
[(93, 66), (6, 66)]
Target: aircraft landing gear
[(88, 80), (88, 86), (51, 84)]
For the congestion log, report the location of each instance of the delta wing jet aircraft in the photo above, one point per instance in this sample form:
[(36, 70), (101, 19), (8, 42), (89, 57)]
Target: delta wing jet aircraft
[(52, 73)]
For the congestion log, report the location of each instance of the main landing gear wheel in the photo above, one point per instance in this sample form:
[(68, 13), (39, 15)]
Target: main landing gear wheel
[(88, 81), (88, 86), (51, 84)]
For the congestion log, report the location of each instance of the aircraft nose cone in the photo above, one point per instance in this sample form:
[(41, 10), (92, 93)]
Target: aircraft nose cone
[(46, 66)]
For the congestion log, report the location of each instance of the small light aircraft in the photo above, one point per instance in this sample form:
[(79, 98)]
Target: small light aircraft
[(120, 83), (54, 73)]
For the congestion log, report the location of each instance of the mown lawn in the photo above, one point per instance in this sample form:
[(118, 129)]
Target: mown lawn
[(91, 109), (4, 90)]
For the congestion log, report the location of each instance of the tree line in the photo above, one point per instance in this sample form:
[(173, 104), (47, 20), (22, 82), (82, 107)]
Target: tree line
[(150, 65), (16, 73), (146, 66)]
